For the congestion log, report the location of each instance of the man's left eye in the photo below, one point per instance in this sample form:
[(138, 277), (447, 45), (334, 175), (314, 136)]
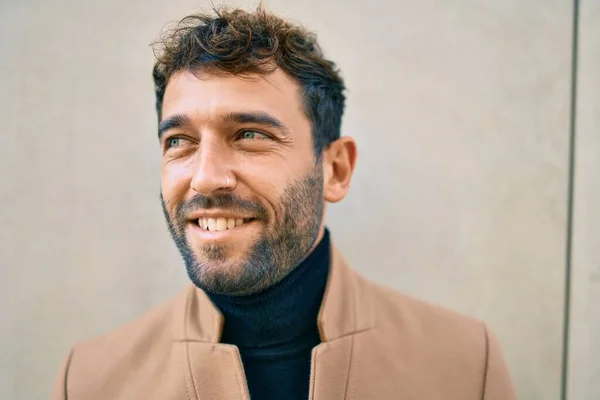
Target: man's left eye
[(174, 142), (252, 135)]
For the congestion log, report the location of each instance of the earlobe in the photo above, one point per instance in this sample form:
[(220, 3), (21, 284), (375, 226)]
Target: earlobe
[(339, 161)]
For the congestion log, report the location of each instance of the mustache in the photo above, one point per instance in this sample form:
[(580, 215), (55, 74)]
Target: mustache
[(225, 201)]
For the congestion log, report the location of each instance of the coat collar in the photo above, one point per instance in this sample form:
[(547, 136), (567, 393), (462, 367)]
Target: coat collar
[(346, 308)]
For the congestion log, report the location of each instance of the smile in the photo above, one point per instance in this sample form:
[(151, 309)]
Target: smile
[(221, 224)]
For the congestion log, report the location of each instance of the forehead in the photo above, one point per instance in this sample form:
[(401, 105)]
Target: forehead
[(206, 96)]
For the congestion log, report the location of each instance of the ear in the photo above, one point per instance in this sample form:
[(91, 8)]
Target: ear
[(339, 160)]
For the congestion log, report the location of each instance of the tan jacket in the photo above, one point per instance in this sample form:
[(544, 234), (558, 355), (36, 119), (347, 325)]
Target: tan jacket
[(377, 344)]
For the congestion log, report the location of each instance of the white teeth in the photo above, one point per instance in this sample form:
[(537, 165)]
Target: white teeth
[(221, 224), (212, 224)]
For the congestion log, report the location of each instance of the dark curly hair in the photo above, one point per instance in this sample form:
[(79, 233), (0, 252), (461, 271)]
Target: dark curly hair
[(242, 43)]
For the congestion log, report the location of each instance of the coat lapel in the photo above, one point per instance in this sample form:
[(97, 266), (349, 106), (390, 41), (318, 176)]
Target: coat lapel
[(214, 371), (346, 311), (330, 372)]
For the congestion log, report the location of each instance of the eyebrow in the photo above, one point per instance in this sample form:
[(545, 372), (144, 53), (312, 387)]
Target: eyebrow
[(174, 121), (260, 118)]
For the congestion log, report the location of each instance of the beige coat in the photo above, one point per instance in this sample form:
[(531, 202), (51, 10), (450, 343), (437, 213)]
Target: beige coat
[(377, 344)]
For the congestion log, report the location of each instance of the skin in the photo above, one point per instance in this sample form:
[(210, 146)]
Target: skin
[(243, 147)]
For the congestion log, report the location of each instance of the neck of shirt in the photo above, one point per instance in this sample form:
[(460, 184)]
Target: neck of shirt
[(284, 315)]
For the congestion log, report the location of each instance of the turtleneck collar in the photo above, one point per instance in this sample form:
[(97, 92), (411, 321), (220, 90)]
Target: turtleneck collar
[(283, 313)]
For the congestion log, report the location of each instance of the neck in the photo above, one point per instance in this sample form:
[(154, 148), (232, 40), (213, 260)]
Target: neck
[(283, 312)]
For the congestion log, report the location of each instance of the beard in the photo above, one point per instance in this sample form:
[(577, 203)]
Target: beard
[(282, 245)]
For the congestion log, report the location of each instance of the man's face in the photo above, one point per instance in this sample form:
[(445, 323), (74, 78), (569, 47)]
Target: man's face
[(242, 190)]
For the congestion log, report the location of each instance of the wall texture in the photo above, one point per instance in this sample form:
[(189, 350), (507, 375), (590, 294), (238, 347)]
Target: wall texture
[(461, 113), (584, 348)]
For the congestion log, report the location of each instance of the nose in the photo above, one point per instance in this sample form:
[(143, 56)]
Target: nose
[(212, 169)]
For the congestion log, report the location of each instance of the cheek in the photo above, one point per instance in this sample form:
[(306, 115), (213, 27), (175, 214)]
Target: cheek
[(269, 184), (273, 172), (264, 177), (263, 185), (175, 184)]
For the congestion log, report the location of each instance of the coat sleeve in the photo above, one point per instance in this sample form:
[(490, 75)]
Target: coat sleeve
[(497, 382), (59, 392)]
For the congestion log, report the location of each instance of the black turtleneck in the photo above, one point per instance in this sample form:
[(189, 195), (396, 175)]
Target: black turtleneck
[(276, 330)]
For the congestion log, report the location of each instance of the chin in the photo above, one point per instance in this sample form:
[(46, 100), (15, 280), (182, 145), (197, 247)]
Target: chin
[(227, 277)]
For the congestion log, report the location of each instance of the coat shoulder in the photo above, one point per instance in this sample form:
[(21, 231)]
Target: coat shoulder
[(137, 345), (134, 360), (418, 314), (425, 350), (150, 325), (437, 332), (437, 352)]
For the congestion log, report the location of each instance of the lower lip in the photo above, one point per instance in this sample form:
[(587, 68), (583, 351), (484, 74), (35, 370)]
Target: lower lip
[(219, 235)]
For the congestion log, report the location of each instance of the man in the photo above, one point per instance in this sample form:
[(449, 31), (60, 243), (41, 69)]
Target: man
[(249, 126)]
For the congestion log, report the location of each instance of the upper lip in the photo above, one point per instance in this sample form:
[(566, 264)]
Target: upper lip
[(216, 214)]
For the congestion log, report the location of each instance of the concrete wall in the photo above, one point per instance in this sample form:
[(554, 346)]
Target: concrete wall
[(461, 113), (584, 345)]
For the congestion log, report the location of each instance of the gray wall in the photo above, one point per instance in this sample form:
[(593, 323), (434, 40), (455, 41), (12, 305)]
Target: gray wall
[(461, 112), (584, 344)]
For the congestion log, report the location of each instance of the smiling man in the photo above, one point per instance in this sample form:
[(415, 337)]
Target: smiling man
[(242, 184), (249, 117)]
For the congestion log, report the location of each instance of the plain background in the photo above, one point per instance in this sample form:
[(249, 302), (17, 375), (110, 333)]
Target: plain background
[(462, 113)]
